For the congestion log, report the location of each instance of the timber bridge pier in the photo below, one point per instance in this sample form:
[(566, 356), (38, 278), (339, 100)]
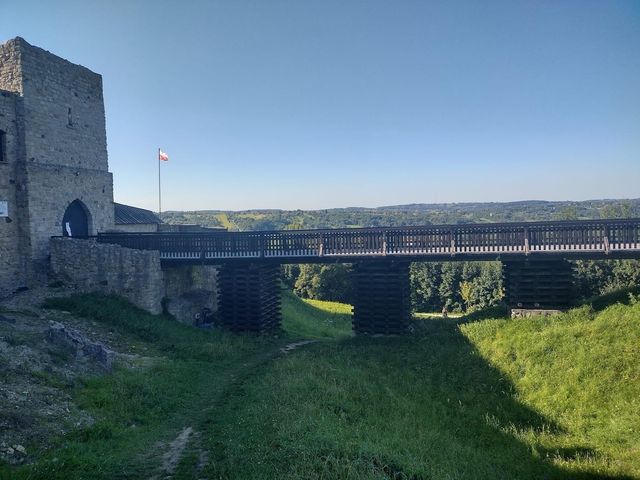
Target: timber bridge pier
[(534, 255)]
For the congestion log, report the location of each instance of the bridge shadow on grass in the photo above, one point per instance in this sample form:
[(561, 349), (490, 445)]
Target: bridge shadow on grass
[(427, 406), (600, 302), (463, 412)]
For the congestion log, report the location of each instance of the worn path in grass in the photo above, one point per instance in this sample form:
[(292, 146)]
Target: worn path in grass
[(150, 422), (139, 412), (479, 400)]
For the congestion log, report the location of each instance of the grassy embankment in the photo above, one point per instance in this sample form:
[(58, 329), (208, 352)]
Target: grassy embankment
[(536, 398)]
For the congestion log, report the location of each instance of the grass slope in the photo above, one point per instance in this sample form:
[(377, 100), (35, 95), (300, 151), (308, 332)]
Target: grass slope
[(535, 398), (139, 411), (315, 319), (581, 370)]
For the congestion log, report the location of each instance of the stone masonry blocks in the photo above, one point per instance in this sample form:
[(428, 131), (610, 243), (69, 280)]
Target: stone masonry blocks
[(91, 266)]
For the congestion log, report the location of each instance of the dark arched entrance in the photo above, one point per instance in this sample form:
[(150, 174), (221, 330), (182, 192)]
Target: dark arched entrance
[(75, 222)]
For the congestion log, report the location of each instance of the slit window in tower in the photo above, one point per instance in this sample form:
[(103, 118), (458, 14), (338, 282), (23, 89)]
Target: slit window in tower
[(3, 146)]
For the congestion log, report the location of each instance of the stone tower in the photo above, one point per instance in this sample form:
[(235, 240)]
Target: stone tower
[(54, 178)]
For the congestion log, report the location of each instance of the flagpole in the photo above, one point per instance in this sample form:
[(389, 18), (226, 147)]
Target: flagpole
[(159, 189)]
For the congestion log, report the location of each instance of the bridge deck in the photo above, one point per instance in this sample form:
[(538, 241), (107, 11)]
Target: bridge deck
[(568, 239)]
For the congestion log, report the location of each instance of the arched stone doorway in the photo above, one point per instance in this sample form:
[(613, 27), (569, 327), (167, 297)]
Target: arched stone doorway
[(75, 222)]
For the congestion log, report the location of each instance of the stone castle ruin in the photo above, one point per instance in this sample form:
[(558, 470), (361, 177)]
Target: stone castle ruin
[(54, 178), (55, 182)]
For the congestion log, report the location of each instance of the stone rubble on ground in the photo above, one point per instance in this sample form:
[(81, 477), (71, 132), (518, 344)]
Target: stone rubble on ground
[(12, 451), (42, 354), (84, 347)]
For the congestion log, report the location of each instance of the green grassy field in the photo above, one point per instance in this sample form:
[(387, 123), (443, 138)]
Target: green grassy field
[(537, 398), (315, 319)]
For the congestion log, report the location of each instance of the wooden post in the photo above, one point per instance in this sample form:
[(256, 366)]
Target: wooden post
[(453, 243)]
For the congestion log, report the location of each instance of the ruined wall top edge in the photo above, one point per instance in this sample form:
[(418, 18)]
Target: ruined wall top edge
[(15, 51), (62, 105)]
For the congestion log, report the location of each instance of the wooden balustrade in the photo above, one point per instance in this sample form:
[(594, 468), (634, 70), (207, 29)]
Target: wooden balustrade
[(590, 236)]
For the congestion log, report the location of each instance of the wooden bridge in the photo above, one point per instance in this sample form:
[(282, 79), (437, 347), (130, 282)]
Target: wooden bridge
[(536, 273), (569, 239)]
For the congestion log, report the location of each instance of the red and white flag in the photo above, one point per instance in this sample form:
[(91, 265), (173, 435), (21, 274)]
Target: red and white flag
[(163, 156)]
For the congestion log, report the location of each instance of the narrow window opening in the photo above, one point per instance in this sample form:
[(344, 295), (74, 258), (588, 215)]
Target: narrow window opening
[(3, 146), (69, 118)]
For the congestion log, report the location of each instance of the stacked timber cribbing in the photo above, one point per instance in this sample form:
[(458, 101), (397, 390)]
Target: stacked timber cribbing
[(382, 300), (250, 298), (546, 284)]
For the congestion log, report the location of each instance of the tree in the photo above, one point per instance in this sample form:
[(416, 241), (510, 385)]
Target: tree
[(591, 277), (596, 277), (289, 275), (486, 287), (425, 279), (617, 210), (306, 285), (325, 282), (568, 212), (466, 292), (449, 288)]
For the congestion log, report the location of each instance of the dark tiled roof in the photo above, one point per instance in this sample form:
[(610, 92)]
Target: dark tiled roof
[(128, 215)]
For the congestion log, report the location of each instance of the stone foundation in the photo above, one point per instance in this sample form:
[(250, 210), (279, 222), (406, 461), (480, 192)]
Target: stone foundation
[(190, 290), (532, 312)]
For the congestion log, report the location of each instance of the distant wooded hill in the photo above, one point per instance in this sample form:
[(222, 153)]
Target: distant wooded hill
[(401, 215)]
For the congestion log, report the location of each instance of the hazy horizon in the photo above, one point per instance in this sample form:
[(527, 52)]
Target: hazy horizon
[(400, 205)]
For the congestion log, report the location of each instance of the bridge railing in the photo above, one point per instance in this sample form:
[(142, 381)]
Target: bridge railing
[(436, 240)]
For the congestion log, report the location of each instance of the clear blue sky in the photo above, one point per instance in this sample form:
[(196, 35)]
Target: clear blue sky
[(318, 104)]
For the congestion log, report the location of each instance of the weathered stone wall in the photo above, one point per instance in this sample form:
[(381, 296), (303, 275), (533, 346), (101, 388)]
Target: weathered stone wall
[(91, 266), (13, 239), (137, 276), (10, 71), (190, 289), (65, 144), (57, 187), (53, 114)]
